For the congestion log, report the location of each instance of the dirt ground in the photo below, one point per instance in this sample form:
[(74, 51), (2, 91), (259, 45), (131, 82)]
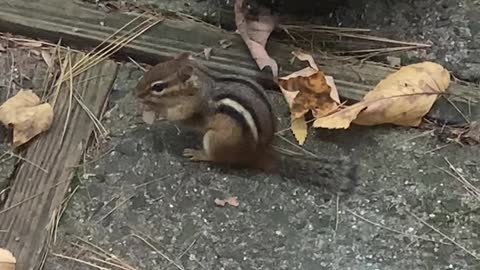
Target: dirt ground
[(280, 223), (152, 208)]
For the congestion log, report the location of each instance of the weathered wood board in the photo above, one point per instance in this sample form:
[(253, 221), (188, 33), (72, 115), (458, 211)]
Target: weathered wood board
[(80, 25), (37, 190)]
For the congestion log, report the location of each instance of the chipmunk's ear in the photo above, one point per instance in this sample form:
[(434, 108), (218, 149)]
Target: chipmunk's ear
[(184, 56), (184, 73)]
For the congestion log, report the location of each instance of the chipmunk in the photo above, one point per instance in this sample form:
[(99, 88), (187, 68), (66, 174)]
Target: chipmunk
[(235, 117)]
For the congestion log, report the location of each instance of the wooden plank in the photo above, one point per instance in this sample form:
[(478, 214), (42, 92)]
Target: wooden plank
[(83, 26), (36, 194)]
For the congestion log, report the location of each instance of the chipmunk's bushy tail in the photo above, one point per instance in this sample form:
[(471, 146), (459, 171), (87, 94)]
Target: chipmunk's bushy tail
[(336, 175)]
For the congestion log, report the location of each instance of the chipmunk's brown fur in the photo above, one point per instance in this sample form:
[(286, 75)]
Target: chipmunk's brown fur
[(235, 117)]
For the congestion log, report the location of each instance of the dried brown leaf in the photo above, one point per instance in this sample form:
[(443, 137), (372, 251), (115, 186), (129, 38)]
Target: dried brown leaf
[(26, 115), (255, 35), (312, 93), (233, 201), (308, 90)]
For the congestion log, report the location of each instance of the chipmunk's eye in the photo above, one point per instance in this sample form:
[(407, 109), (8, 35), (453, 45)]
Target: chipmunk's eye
[(158, 86)]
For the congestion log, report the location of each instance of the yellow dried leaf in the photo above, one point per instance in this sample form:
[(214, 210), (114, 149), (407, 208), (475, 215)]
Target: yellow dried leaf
[(27, 117), (418, 83), (333, 89), (403, 98), (340, 119), (7, 260), (299, 129)]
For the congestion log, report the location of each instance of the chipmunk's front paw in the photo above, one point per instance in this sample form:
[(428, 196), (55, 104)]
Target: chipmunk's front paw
[(195, 155)]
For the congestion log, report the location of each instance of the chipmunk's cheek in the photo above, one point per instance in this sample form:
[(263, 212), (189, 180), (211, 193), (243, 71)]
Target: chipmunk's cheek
[(174, 114), (179, 112)]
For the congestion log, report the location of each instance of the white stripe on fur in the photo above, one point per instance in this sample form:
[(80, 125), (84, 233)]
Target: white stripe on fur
[(244, 112)]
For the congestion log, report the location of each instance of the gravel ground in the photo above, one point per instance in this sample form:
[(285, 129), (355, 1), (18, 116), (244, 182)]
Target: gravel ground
[(145, 187), (451, 26)]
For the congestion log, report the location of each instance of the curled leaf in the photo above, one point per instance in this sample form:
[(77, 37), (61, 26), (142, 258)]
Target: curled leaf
[(7, 260), (255, 35), (311, 93), (308, 90), (233, 201), (305, 57), (26, 115)]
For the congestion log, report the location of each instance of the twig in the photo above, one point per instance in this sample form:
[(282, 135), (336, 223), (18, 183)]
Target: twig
[(98, 125), (159, 252), (460, 178), (187, 249), (33, 196), (298, 146), (64, 207), (436, 148), (26, 160), (95, 159), (321, 28), (4, 190), (115, 208), (149, 182), (102, 253), (137, 64), (79, 261), (457, 109), (129, 197), (337, 212), (444, 235), (390, 229), (12, 68), (110, 263)]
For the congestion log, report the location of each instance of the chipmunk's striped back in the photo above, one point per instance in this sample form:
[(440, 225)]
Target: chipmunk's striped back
[(245, 101)]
